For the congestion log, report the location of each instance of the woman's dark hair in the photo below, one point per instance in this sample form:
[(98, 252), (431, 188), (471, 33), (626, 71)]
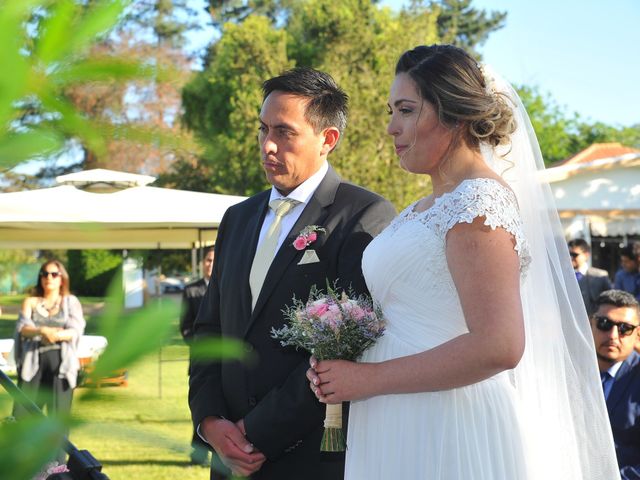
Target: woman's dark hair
[(64, 278), (452, 81)]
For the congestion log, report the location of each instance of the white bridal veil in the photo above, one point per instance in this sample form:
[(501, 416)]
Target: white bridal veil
[(557, 380)]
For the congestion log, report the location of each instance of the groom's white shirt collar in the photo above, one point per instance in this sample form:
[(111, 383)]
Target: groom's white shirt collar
[(302, 194)]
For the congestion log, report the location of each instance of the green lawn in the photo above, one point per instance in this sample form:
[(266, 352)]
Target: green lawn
[(133, 432)]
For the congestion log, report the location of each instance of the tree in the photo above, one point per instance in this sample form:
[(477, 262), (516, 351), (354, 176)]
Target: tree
[(139, 116), (562, 134), (356, 41), (598, 132), (152, 32), (554, 128), (465, 26), (223, 102), (223, 11), (45, 52)]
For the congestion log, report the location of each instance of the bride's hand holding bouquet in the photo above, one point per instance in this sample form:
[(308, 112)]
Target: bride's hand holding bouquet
[(337, 381)]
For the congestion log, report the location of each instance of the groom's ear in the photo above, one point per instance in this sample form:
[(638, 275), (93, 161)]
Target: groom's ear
[(331, 136)]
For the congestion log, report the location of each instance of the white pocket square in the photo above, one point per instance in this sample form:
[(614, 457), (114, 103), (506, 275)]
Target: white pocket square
[(310, 256)]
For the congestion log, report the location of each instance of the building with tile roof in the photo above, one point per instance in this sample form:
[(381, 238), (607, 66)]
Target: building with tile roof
[(597, 193)]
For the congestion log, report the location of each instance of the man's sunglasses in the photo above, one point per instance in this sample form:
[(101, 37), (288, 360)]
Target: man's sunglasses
[(53, 274), (574, 254), (605, 324)]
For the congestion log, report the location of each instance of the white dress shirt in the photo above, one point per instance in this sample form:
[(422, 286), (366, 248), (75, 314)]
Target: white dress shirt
[(302, 194)]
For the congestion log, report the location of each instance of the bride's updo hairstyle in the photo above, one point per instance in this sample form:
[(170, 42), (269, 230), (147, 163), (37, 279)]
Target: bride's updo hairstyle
[(451, 80)]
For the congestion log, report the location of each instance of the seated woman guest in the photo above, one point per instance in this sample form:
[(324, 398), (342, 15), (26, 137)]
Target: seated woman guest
[(49, 328)]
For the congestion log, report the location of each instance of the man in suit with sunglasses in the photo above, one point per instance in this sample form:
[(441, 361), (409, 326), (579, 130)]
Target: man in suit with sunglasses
[(615, 332), (592, 281)]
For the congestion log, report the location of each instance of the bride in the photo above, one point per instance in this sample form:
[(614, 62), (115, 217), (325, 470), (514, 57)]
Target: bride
[(487, 369)]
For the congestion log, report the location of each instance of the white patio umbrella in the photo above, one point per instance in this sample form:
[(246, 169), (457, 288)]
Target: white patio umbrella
[(103, 209)]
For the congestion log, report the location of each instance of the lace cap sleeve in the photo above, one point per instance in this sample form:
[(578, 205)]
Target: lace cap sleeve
[(483, 197)]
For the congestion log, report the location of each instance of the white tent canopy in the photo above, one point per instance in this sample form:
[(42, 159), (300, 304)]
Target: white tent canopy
[(602, 196), (114, 210)]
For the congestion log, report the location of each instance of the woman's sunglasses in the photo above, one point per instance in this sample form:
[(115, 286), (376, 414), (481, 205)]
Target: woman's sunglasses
[(605, 324), (53, 274)]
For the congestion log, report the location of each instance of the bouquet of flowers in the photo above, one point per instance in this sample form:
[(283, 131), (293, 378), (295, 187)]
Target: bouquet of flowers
[(332, 326)]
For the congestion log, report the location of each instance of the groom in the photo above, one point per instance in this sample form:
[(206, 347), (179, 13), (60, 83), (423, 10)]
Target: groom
[(261, 417)]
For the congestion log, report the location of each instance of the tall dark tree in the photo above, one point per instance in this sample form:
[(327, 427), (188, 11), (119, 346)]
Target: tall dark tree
[(459, 23), (237, 11)]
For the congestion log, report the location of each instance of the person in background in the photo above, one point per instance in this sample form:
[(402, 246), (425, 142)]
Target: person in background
[(592, 281), (615, 333), (192, 296), (191, 300), (628, 277), (48, 331)]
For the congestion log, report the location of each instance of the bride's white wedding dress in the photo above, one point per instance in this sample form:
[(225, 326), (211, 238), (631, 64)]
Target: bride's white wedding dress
[(468, 433)]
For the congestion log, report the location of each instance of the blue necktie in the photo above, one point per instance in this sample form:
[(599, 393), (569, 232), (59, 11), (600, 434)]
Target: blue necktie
[(579, 276), (607, 383)]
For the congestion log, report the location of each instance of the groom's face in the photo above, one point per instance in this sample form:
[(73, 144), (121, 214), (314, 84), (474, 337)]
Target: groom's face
[(291, 149)]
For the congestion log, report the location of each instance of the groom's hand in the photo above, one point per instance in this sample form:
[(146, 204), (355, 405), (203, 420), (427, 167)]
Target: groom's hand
[(235, 451)]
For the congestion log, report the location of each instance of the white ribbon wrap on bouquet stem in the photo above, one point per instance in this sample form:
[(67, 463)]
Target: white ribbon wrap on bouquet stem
[(333, 416)]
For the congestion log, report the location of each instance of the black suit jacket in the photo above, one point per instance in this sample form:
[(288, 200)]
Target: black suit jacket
[(623, 406), (592, 285), (282, 417), (191, 299)]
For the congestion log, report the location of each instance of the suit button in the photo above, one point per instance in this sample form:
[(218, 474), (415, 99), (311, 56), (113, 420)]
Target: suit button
[(253, 401)]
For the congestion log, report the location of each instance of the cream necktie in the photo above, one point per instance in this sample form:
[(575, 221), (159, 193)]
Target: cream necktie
[(267, 249)]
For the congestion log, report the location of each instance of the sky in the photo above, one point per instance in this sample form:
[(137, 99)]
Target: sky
[(584, 53)]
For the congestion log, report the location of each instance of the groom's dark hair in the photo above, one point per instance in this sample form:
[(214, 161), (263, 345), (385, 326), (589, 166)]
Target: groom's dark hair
[(328, 104)]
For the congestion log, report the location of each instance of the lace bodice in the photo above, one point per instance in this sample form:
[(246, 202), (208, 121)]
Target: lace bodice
[(406, 268), (478, 197)]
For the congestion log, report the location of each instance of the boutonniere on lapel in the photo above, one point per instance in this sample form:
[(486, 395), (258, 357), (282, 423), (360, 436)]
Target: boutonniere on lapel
[(307, 236)]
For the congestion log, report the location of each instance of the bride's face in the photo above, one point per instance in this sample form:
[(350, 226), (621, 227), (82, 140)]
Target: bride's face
[(421, 141)]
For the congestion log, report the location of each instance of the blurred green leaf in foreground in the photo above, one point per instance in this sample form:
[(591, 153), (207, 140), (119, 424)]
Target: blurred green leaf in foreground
[(44, 51)]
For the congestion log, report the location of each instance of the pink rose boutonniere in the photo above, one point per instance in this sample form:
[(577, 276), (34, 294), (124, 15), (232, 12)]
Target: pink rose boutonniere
[(307, 236)]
